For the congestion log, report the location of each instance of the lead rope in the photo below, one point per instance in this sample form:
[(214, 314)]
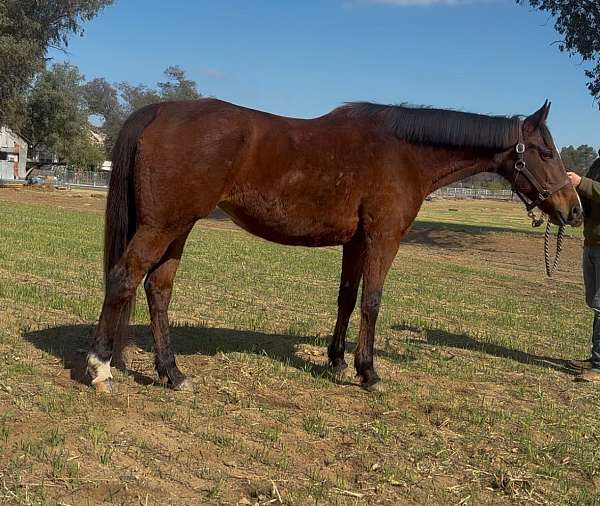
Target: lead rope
[(536, 222), (552, 266)]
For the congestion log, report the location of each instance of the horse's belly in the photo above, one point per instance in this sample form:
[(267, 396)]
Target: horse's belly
[(292, 224)]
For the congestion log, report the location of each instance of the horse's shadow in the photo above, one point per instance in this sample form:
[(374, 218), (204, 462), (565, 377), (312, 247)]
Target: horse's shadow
[(70, 343), (437, 337)]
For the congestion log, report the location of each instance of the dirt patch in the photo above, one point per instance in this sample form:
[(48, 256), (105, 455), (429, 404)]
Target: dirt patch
[(92, 201), (79, 200)]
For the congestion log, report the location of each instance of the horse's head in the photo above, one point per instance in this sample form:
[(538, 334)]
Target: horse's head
[(538, 175)]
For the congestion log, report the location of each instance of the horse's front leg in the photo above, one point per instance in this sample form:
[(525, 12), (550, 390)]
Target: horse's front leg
[(352, 268), (379, 255)]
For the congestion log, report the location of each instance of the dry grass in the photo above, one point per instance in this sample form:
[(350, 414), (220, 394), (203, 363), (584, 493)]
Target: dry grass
[(479, 409)]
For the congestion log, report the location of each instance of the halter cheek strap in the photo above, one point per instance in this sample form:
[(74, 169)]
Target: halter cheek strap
[(520, 169)]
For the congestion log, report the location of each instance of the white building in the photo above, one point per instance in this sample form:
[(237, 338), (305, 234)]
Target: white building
[(13, 155)]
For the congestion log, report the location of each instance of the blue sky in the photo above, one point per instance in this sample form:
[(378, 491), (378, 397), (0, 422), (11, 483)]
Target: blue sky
[(303, 58)]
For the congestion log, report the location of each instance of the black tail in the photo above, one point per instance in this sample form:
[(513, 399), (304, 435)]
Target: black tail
[(120, 222)]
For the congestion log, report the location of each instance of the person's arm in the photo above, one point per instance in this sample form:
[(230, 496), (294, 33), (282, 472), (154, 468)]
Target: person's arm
[(589, 189), (585, 186)]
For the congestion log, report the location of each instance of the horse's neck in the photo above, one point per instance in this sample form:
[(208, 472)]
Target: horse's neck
[(459, 165)]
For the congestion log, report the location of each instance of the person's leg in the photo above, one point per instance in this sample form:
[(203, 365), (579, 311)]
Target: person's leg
[(590, 370), (589, 282), (594, 303), (590, 274), (596, 342)]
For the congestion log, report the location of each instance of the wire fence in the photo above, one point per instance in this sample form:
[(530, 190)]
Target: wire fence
[(84, 178), (474, 193), (60, 176)]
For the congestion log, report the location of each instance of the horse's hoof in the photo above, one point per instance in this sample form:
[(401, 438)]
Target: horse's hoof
[(340, 373), (108, 386), (184, 386), (378, 387), (99, 372), (372, 385)]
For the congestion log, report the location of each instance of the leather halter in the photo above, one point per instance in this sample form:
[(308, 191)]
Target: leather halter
[(521, 169)]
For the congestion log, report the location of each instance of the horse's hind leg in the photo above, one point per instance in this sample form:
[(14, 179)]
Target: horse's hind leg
[(352, 268), (145, 249), (159, 287)]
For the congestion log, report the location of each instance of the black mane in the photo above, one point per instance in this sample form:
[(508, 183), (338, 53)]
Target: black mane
[(426, 125)]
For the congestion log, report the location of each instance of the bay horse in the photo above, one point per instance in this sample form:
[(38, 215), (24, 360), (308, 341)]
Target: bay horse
[(355, 177)]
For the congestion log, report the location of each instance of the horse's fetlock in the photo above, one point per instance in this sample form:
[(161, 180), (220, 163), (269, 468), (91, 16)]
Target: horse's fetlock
[(98, 369)]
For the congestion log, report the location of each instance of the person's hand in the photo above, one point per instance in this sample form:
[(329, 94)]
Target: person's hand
[(574, 178)]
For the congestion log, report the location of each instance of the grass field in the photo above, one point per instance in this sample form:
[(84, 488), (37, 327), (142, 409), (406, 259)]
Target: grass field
[(478, 409)]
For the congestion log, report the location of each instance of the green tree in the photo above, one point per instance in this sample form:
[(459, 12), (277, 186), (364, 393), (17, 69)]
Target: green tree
[(135, 97), (578, 23), (27, 29), (113, 103), (102, 100), (177, 86), (85, 152), (57, 116), (578, 159)]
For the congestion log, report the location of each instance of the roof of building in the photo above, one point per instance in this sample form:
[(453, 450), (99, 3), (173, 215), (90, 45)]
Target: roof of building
[(9, 131)]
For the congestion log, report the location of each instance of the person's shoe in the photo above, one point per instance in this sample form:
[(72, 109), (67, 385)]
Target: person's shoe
[(590, 376), (580, 365)]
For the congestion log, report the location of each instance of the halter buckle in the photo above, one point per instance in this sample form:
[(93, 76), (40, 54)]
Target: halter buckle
[(520, 148), (520, 165)]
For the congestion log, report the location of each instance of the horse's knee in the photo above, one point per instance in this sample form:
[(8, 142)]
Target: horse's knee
[(371, 304)]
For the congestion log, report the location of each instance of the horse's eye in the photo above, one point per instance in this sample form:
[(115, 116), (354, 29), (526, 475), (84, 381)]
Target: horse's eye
[(547, 155)]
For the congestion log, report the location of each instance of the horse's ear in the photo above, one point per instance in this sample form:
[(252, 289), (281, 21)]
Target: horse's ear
[(538, 118)]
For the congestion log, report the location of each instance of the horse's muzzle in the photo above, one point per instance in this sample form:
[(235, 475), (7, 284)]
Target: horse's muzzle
[(574, 217)]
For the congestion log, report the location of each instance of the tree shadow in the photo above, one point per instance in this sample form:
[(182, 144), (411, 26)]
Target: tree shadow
[(452, 235), (70, 344), (478, 229), (437, 337)]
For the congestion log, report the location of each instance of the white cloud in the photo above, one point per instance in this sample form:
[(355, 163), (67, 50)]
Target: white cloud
[(410, 3)]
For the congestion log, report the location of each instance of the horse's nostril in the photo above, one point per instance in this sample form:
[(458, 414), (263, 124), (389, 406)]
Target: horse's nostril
[(576, 214)]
